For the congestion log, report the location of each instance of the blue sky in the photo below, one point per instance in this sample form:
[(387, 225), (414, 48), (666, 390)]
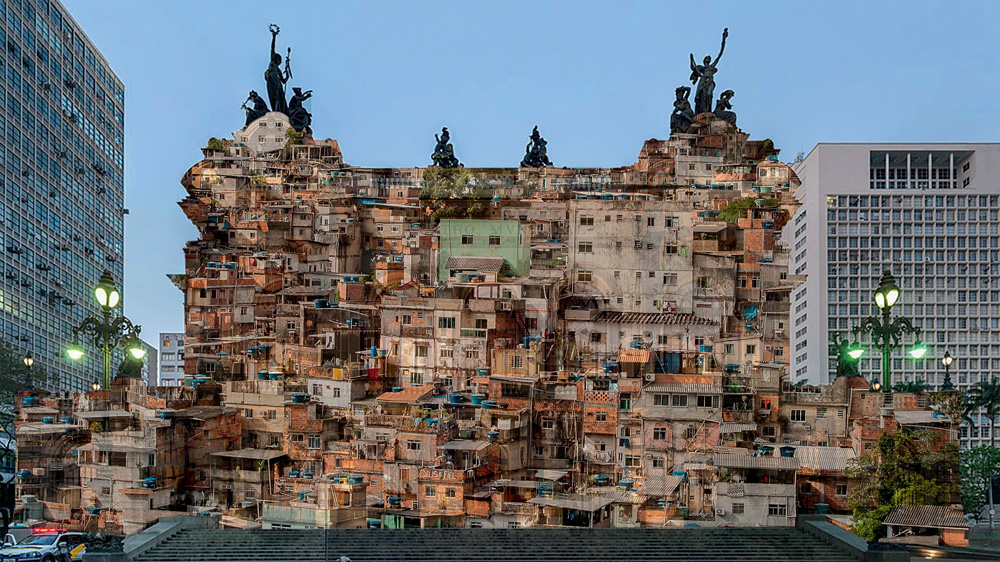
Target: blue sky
[(597, 77)]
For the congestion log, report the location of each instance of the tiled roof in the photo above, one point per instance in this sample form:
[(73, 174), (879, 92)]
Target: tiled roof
[(634, 356), (750, 461), (933, 516), (410, 394), (655, 318), (484, 264), (824, 458)]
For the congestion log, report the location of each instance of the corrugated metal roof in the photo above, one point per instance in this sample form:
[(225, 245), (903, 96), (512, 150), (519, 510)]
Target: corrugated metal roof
[(505, 483), (256, 454), (464, 445), (578, 502), (734, 427), (710, 227), (623, 496), (933, 516), (659, 486), (750, 461), (824, 458), (683, 388), (913, 417), (655, 318), (550, 474), (484, 264)]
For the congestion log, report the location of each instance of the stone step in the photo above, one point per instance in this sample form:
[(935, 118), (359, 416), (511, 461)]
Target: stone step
[(496, 545)]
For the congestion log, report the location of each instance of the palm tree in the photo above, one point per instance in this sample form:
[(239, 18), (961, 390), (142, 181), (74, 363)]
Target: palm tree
[(985, 396)]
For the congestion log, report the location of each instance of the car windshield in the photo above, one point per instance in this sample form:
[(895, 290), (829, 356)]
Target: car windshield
[(40, 539)]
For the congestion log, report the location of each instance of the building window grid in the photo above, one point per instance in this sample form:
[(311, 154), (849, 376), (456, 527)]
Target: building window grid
[(928, 283)]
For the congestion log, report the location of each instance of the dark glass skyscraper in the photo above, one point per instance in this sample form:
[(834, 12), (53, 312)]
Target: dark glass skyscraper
[(61, 183)]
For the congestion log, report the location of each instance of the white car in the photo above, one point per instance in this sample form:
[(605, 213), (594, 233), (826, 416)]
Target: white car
[(46, 545)]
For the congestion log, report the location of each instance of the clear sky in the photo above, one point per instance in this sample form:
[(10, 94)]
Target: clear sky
[(597, 77)]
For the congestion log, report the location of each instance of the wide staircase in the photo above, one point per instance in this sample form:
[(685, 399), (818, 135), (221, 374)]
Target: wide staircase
[(496, 545)]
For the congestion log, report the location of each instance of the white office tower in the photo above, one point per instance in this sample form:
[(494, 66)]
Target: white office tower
[(929, 214)]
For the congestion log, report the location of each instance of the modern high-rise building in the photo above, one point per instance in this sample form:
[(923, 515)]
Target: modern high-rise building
[(150, 370), (170, 371), (929, 214), (61, 183)]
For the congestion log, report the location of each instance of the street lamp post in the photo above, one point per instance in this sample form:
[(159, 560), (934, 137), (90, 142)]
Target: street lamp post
[(28, 361), (946, 361), (107, 332), (886, 333)]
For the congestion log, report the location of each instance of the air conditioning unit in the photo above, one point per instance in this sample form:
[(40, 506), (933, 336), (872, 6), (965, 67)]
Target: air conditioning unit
[(504, 305), (649, 377), (779, 333), (719, 511), (38, 472)]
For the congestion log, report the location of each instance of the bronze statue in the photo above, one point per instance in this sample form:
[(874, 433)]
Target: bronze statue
[(275, 78), (298, 117), (704, 76), (722, 107), (258, 110), (444, 153), (535, 153), (683, 116)]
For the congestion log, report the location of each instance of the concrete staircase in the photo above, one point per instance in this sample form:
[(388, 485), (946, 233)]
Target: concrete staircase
[(497, 545)]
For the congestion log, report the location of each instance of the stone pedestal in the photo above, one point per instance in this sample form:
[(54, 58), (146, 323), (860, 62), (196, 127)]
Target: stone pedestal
[(105, 557)]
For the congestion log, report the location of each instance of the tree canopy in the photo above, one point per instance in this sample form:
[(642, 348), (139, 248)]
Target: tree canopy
[(980, 465), (737, 209), (904, 468), (14, 374)]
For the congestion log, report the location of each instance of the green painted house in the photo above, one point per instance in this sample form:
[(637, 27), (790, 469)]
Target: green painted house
[(469, 245)]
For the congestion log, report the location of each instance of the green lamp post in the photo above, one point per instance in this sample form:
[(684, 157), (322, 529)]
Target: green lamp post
[(108, 332), (887, 333)]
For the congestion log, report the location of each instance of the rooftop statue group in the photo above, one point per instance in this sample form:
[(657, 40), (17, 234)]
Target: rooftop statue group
[(703, 78), (444, 152), (536, 153), (275, 77)]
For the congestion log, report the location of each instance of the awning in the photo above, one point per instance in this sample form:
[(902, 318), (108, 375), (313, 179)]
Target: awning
[(550, 474)]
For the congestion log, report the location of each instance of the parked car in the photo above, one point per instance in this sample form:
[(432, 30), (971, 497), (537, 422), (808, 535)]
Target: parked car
[(46, 545)]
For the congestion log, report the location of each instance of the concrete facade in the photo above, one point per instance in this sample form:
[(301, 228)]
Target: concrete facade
[(170, 371), (63, 186), (929, 214)]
